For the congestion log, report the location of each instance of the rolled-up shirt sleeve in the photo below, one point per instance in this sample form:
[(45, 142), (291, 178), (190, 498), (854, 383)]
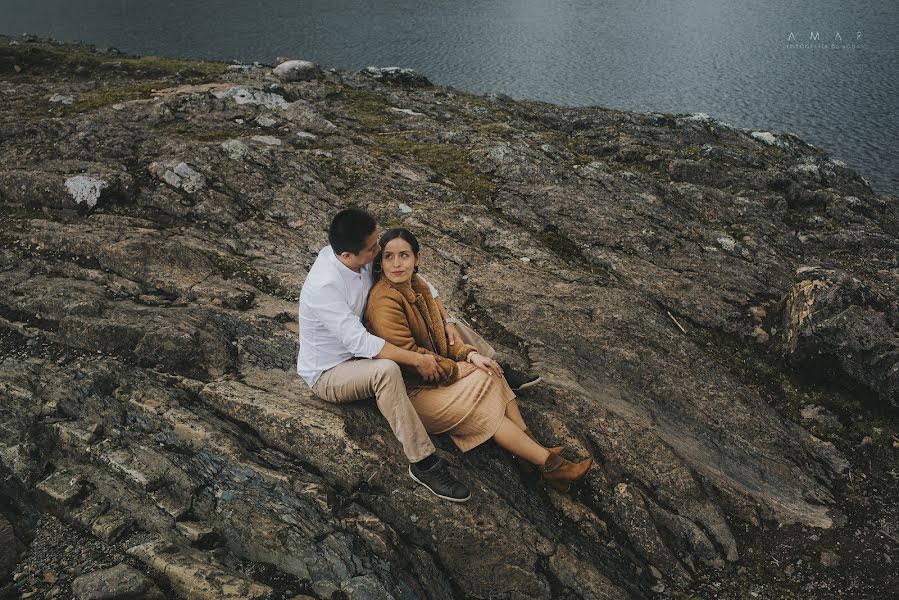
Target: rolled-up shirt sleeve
[(331, 309)]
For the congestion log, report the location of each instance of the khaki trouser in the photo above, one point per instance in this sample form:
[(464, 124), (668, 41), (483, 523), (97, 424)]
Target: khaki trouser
[(360, 378)]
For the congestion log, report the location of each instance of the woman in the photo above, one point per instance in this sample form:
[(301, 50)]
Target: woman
[(472, 402)]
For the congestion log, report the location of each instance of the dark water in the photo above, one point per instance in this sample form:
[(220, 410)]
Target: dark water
[(729, 58)]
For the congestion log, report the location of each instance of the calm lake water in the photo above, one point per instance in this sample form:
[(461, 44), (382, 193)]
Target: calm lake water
[(733, 59)]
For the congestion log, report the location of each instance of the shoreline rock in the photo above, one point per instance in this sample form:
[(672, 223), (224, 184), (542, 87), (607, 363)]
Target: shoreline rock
[(149, 331)]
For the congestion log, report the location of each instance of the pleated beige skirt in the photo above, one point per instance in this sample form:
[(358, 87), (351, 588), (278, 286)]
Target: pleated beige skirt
[(470, 410)]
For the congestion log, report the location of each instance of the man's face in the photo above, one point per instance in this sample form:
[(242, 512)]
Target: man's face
[(366, 255)]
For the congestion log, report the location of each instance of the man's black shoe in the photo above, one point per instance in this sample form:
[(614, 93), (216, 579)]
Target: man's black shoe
[(440, 482), (518, 380)]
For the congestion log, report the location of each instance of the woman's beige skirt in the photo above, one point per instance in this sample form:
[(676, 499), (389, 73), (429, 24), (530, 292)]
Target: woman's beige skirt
[(470, 410)]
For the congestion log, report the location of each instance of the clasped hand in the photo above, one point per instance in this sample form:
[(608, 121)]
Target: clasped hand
[(429, 368)]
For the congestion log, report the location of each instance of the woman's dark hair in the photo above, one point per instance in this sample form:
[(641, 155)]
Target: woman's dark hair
[(349, 229), (392, 234)]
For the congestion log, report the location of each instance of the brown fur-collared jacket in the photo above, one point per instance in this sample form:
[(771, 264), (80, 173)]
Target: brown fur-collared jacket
[(407, 316)]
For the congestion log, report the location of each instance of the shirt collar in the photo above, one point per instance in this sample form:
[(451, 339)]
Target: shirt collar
[(346, 272)]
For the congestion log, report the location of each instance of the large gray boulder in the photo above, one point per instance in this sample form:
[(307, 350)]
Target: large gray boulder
[(296, 70)]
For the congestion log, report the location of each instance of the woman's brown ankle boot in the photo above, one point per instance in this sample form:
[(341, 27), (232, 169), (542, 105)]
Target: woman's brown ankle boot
[(528, 468), (560, 473)]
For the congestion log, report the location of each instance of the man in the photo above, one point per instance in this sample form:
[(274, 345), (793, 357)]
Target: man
[(343, 362)]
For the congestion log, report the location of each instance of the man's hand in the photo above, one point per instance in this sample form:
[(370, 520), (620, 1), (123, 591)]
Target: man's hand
[(488, 365), (466, 369), (453, 334), (429, 368)]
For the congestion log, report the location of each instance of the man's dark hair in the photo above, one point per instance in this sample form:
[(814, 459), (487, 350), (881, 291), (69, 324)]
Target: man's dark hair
[(349, 230)]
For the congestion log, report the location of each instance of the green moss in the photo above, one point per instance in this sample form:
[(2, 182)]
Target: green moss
[(83, 62), (691, 151), (447, 160), (109, 95), (369, 109), (493, 128), (560, 245), (493, 111), (235, 267)]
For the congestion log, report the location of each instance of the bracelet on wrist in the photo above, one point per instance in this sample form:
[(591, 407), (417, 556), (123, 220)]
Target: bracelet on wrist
[(450, 321)]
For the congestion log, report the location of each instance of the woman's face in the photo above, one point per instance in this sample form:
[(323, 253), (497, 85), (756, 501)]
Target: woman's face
[(398, 261)]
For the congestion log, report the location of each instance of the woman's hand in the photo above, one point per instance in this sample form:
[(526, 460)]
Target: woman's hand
[(488, 365), (453, 334), (466, 369)]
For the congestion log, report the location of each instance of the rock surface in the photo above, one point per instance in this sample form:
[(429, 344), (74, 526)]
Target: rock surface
[(117, 583), (148, 332)]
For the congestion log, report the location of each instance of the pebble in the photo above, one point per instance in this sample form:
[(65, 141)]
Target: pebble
[(829, 559), (867, 441)]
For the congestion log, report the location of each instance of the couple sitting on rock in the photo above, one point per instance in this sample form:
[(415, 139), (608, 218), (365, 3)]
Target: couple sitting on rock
[(427, 371)]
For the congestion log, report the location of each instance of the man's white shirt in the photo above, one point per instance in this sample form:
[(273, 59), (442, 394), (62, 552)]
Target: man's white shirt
[(332, 302)]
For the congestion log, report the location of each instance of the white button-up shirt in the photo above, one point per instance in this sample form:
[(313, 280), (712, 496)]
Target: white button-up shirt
[(330, 315)]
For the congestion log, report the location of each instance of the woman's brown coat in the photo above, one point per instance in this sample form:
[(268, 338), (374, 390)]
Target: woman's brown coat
[(407, 316)]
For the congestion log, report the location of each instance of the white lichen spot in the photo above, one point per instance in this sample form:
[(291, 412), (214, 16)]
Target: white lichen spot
[(62, 99), (807, 169), (306, 135), (85, 189), (235, 149), (268, 140), (244, 95), (266, 121), (406, 111), (726, 242), (700, 116), (405, 208), (766, 137), (183, 176)]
